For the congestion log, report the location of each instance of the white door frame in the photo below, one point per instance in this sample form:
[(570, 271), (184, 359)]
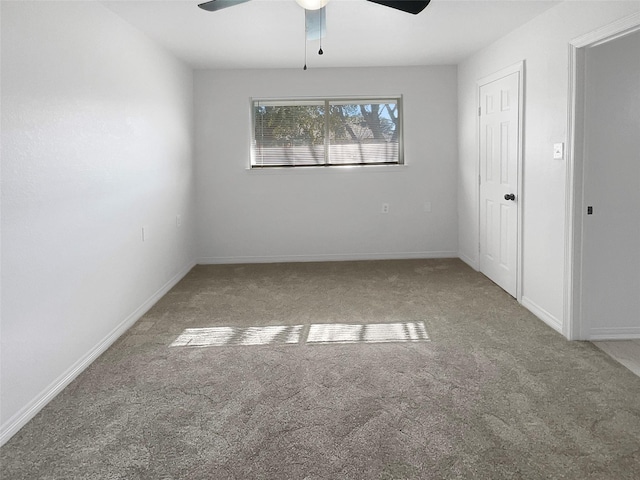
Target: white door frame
[(575, 205), (515, 68)]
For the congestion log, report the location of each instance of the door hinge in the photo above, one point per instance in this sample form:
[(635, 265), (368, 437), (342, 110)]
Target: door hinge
[(479, 111)]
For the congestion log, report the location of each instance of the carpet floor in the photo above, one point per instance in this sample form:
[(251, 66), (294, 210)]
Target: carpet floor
[(492, 394)]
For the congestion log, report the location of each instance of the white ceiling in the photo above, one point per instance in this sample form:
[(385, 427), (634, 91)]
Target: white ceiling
[(270, 33)]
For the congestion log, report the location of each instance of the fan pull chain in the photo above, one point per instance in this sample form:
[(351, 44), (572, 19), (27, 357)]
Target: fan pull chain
[(305, 41), (320, 52), (305, 52)]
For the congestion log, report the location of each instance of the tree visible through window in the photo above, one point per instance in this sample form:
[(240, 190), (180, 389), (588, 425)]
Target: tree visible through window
[(322, 132)]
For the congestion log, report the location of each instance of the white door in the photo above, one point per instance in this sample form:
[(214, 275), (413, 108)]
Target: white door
[(499, 146)]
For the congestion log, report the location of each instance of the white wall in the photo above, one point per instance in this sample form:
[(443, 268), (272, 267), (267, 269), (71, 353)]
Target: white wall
[(611, 236), (325, 214), (543, 45), (96, 143)]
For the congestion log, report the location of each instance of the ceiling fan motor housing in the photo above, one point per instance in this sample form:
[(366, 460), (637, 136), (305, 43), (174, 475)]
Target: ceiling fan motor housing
[(312, 4)]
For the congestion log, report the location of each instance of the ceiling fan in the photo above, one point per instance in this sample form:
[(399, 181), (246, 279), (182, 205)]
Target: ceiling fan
[(409, 6), (314, 10)]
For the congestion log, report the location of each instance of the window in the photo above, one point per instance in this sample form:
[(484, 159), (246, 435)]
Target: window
[(327, 132)]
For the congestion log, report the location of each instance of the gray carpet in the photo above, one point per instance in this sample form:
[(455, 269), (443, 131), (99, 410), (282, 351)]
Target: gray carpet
[(493, 394)]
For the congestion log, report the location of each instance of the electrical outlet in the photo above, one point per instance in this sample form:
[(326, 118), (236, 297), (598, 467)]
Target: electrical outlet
[(178, 220), (385, 208), (426, 206)]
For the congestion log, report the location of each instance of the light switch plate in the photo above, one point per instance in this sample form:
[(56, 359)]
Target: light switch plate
[(558, 151)]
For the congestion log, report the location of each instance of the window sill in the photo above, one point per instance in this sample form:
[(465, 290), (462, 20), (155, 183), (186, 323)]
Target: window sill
[(334, 169)]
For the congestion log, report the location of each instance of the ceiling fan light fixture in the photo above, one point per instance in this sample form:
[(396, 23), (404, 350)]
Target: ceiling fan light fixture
[(312, 4)]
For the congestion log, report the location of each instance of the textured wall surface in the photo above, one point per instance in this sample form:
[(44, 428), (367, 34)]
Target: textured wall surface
[(96, 143), (325, 213)]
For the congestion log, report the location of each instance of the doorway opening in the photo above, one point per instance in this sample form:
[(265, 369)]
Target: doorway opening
[(589, 203)]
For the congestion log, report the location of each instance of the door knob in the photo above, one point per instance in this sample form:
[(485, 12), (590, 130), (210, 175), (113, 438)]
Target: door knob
[(509, 196)]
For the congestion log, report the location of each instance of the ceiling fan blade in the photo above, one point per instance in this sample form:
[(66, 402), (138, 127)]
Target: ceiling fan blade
[(409, 6), (214, 5)]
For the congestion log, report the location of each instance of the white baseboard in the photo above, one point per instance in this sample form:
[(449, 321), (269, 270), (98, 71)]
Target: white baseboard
[(472, 263), (614, 333), (330, 257), (542, 314), (17, 421)]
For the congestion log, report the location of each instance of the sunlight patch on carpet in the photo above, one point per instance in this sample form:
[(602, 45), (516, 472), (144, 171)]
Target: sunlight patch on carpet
[(220, 336), (318, 333), (367, 333)]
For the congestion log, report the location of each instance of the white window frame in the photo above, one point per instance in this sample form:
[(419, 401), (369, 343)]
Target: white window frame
[(396, 99)]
